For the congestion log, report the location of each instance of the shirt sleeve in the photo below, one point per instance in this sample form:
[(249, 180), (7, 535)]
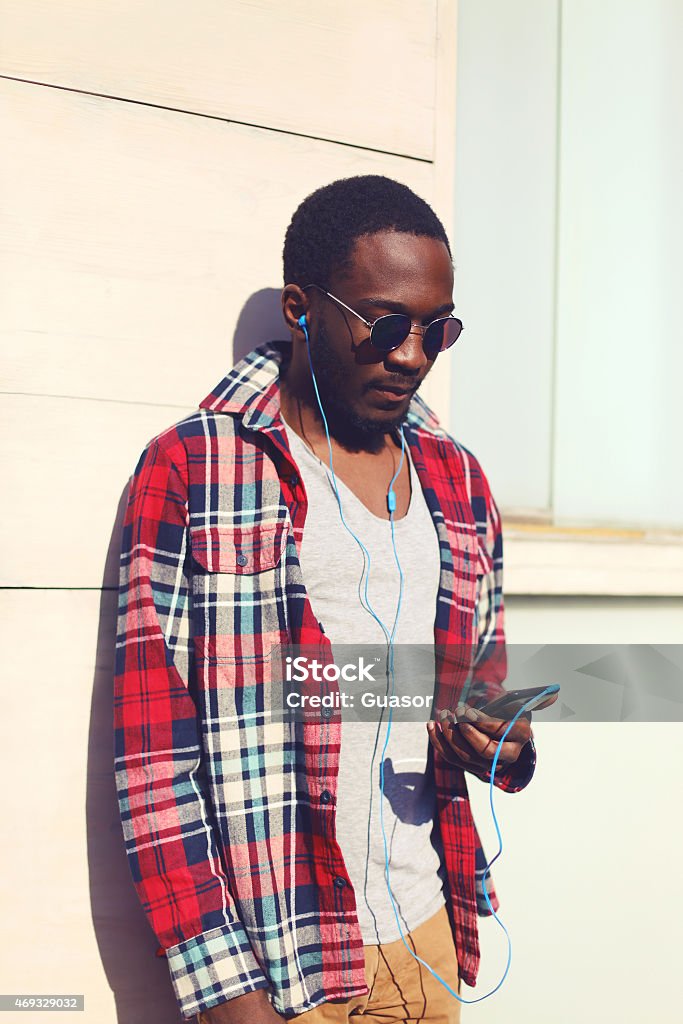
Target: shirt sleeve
[(489, 667), (166, 812)]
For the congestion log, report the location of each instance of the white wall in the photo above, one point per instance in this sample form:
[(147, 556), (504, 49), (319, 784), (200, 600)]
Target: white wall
[(504, 242), (618, 417), (567, 225), (568, 221), (588, 880)]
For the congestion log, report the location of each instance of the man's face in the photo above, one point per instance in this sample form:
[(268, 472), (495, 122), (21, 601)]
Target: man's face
[(391, 272)]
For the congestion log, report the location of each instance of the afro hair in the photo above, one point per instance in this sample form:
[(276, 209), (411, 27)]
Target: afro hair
[(325, 226)]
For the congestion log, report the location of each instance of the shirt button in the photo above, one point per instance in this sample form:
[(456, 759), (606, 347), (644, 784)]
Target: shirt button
[(294, 480), (322, 628), (327, 712), (325, 796), (242, 559), (340, 882)]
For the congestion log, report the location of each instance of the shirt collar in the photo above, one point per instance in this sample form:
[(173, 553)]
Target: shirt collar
[(252, 389)]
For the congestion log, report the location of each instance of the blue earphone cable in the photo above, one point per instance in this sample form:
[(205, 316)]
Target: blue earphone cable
[(391, 503)]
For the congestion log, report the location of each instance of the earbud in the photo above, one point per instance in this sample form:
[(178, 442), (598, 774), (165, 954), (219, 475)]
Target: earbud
[(302, 324)]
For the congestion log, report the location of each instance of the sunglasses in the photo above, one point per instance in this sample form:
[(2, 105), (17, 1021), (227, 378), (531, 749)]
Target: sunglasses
[(390, 331)]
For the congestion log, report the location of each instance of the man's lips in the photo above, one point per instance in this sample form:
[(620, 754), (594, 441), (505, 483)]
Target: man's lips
[(392, 389)]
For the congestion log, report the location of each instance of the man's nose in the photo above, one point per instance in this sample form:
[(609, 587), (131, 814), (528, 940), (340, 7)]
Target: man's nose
[(410, 354)]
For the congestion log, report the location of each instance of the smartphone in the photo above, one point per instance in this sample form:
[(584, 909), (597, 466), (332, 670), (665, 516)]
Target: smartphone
[(508, 704)]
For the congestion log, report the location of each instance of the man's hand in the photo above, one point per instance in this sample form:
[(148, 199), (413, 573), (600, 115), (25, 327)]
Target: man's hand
[(251, 1008), (469, 738)]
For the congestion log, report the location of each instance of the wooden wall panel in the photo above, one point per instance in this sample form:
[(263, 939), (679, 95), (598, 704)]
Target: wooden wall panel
[(357, 72), (66, 464), (139, 244), (65, 888)]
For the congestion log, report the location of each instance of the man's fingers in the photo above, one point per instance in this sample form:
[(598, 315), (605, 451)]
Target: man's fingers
[(482, 738), (474, 737), (495, 727), (452, 745), (450, 748), (439, 741), (486, 745)]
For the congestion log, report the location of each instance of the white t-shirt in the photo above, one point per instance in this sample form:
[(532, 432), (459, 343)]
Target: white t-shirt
[(333, 566)]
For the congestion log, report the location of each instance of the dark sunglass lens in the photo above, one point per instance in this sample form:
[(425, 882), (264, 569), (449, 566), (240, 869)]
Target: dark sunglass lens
[(441, 334), (390, 331)]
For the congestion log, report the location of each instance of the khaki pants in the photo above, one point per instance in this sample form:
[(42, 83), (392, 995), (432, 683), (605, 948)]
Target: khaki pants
[(402, 989)]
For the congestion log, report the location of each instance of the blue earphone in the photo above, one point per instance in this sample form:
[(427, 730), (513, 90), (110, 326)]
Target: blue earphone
[(391, 506)]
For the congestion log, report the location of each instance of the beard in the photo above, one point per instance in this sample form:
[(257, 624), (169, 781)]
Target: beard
[(350, 429)]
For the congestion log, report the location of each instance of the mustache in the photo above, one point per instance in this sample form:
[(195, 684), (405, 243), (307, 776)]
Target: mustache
[(403, 383)]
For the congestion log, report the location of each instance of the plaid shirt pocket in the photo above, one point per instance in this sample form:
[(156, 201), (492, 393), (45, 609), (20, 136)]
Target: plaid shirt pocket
[(241, 550), (238, 590)]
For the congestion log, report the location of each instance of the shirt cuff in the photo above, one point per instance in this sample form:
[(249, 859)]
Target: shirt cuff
[(514, 777), (212, 968)]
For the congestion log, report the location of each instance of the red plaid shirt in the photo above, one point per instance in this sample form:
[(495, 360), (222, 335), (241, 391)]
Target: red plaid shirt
[(229, 843)]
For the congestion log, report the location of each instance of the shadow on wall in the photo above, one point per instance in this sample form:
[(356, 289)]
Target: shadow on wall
[(138, 978), (261, 320)]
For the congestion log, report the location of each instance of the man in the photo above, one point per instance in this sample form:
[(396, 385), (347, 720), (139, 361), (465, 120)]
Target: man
[(255, 847)]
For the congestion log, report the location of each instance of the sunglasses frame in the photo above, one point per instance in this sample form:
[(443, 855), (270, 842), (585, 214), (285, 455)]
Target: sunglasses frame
[(371, 323)]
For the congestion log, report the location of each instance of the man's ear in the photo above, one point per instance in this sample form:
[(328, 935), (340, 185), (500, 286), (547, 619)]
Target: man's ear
[(294, 305)]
